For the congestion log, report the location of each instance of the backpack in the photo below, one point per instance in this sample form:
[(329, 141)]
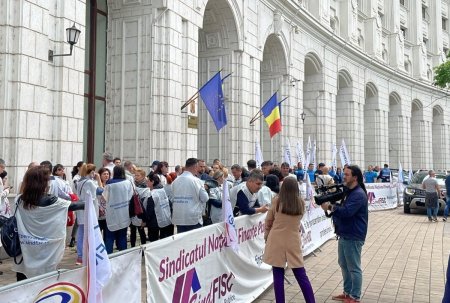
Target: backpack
[(10, 237)]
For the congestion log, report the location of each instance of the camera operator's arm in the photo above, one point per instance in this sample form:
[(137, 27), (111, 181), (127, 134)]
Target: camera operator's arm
[(352, 204)]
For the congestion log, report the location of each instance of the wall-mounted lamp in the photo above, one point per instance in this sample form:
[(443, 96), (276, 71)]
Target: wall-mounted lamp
[(303, 116), (73, 34)]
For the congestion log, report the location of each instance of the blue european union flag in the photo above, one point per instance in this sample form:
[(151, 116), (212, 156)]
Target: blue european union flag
[(212, 96)]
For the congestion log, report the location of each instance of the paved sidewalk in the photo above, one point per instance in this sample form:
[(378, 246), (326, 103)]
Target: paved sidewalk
[(404, 260)]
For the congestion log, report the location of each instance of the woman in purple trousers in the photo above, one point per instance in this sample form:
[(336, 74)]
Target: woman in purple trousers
[(283, 242)]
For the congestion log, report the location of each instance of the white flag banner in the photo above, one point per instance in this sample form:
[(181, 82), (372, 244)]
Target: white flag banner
[(300, 154), (95, 256), (410, 175), (228, 219), (258, 154), (71, 285), (333, 156), (343, 154), (308, 154), (400, 185), (313, 155), (287, 153)]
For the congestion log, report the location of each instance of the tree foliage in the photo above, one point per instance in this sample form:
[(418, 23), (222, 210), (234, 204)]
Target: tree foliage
[(442, 74)]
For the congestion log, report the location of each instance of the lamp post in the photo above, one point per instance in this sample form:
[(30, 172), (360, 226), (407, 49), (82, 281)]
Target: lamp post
[(303, 117), (73, 34)]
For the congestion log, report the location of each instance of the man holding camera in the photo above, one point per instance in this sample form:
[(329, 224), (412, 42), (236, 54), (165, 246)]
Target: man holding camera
[(350, 219)]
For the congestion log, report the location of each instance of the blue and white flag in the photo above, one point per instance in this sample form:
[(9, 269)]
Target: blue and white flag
[(258, 155), (228, 219), (313, 155), (410, 175), (287, 153), (300, 155), (343, 153), (95, 256), (333, 156)]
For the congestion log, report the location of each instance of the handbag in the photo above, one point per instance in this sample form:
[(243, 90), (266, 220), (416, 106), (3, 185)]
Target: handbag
[(135, 207), (10, 237)]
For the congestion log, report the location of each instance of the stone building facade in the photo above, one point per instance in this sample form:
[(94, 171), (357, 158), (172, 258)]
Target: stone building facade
[(361, 71)]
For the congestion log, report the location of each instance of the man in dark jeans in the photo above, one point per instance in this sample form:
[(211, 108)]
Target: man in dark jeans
[(351, 221), (447, 200)]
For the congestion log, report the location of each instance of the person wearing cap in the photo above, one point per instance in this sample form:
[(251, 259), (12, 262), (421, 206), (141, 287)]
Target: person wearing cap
[(108, 163)]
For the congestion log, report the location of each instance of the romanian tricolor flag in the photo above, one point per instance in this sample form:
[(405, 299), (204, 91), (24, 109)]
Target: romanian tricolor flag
[(271, 112)]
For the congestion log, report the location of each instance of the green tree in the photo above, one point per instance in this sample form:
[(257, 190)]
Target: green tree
[(442, 74)]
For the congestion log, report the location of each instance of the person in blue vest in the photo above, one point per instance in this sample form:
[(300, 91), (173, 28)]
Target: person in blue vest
[(385, 174)]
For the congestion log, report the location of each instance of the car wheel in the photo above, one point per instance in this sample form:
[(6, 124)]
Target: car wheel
[(406, 209)]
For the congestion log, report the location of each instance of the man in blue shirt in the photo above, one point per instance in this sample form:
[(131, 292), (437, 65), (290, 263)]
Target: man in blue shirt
[(370, 175), (351, 221), (300, 172), (447, 202), (311, 172)]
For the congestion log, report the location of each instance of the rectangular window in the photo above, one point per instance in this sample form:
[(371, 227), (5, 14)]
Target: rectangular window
[(402, 2), (444, 24), (404, 32), (424, 12)]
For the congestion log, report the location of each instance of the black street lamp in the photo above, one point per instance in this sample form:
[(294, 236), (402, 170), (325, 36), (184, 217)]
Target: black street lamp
[(303, 116), (73, 34)]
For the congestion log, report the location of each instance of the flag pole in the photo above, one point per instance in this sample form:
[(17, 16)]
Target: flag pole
[(195, 96), (256, 117)]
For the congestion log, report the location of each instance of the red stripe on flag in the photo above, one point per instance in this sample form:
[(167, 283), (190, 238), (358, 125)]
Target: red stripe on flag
[(275, 127)]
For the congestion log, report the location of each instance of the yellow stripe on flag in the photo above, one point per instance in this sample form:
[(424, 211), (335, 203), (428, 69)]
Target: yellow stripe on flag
[(274, 115)]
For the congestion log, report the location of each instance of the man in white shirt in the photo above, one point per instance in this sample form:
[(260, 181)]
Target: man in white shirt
[(108, 162), (189, 198)]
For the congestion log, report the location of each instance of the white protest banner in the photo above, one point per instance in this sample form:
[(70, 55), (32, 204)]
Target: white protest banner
[(197, 267), (258, 154), (300, 154), (333, 156), (313, 155), (381, 195), (400, 185), (308, 154), (287, 153), (124, 285), (343, 154), (316, 229)]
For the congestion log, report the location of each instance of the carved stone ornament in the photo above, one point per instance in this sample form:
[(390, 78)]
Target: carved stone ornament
[(355, 4), (213, 40), (378, 19)]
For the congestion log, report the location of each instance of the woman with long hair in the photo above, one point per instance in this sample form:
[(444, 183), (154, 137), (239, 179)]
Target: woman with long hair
[(283, 242), (118, 193), (137, 225), (162, 170), (41, 219), (87, 186), (105, 175)]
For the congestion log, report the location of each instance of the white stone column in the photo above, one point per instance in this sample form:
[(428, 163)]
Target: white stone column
[(372, 30), (349, 20)]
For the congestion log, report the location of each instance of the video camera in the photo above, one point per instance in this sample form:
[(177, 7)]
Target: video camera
[(327, 194)]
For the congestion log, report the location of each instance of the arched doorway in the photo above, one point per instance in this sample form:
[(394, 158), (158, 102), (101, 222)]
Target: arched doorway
[(396, 148), (345, 114), (218, 41), (439, 137), (273, 70), (417, 136), (371, 126), (313, 94)]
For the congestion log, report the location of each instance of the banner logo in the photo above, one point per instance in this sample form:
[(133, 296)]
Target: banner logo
[(61, 292), (183, 286)]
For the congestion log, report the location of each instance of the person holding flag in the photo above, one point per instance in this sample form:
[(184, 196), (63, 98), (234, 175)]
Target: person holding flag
[(95, 256), (283, 241)]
